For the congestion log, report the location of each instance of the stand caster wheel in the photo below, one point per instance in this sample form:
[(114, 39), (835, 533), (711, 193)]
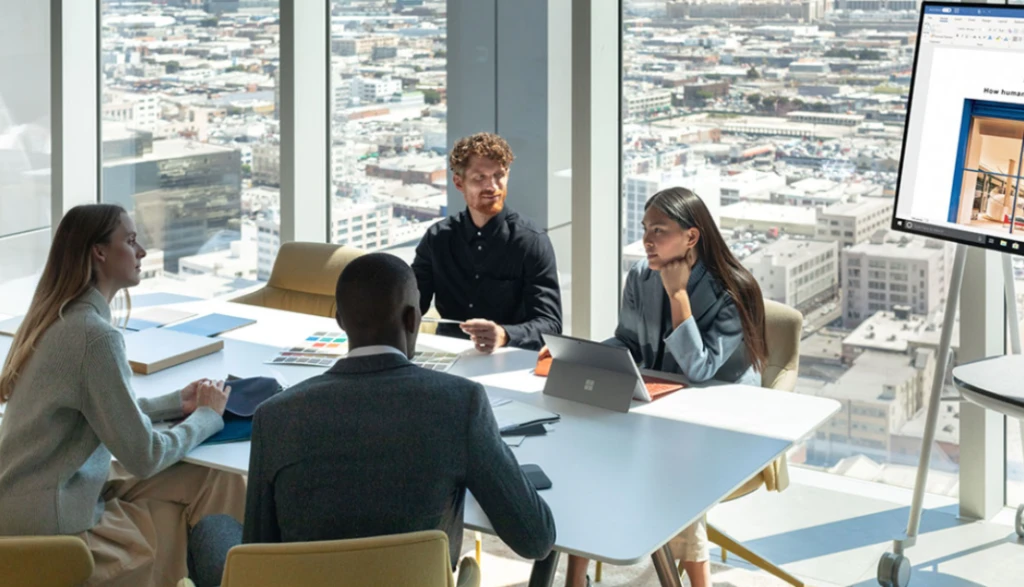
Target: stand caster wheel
[(893, 570), (1018, 522)]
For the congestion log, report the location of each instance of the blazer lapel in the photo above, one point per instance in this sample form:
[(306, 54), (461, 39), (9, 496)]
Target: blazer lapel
[(702, 291)]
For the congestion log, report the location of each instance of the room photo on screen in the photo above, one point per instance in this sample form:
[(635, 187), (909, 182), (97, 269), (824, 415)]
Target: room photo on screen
[(987, 185)]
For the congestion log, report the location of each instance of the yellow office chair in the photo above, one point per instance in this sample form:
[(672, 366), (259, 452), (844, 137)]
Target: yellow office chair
[(304, 278), (783, 328), (416, 558), (29, 561)]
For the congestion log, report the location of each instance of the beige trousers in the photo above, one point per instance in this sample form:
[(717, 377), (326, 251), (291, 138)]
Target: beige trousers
[(142, 538), (691, 545)]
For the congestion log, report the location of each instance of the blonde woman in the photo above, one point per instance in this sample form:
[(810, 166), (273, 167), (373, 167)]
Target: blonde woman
[(70, 406)]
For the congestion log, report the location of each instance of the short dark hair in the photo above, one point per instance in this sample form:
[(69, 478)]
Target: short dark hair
[(371, 292)]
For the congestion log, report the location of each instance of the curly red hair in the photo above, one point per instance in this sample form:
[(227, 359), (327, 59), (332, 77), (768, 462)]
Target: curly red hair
[(482, 144)]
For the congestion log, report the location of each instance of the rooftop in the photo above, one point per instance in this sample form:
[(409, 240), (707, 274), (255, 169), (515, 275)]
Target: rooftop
[(870, 373), (789, 250), (758, 212), (899, 246), (865, 206), (883, 331)]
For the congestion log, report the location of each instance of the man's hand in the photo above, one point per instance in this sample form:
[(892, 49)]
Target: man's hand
[(486, 335)]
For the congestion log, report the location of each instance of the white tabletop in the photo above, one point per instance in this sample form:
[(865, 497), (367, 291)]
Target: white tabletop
[(993, 383), (622, 484)]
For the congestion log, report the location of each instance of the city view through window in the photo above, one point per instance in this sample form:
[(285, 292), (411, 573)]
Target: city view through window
[(191, 131), (787, 119)]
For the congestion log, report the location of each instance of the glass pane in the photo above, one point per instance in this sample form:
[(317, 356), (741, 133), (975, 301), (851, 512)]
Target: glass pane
[(794, 146), (190, 137), (24, 149), (388, 106)]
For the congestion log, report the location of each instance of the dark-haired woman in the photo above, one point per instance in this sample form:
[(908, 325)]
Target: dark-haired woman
[(690, 308)]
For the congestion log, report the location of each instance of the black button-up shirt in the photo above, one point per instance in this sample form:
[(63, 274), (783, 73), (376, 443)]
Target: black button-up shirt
[(504, 272)]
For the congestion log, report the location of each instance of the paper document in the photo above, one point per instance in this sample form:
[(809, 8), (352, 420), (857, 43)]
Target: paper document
[(514, 415)]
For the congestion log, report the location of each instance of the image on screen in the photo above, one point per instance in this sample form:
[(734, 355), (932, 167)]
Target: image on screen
[(961, 174)]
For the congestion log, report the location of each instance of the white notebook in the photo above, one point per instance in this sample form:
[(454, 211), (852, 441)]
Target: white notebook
[(156, 349)]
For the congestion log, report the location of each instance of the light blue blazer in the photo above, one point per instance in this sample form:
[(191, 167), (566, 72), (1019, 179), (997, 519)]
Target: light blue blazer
[(708, 345)]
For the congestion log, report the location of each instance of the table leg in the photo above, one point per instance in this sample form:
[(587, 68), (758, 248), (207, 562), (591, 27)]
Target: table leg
[(664, 565), (543, 573)]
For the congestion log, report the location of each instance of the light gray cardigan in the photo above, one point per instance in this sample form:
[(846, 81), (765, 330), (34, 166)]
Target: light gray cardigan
[(708, 345), (71, 408)]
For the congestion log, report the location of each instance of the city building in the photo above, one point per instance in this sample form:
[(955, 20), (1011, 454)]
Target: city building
[(266, 164), (879, 394), (135, 110), (428, 169), (750, 186), (237, 261), (765, 218), (701, 179), (181, 193), (894, 270), (800, 273), (851, 223), (372, 90)]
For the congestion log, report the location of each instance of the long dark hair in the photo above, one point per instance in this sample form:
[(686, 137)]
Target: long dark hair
[(67, 275), (689, 211)]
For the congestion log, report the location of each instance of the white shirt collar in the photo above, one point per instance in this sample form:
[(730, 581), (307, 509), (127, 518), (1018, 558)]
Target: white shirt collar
[(374, 349)]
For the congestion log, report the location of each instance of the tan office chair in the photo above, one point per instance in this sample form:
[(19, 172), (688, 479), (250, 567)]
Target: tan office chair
[(416, 558), (783, 329), (304, 278), (44, 561)]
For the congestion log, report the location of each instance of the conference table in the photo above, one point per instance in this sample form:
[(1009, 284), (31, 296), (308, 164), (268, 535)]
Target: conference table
[(623, 484)]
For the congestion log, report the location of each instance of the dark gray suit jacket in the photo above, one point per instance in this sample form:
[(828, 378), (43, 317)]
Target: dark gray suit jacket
[(377, 445), (707, 346)]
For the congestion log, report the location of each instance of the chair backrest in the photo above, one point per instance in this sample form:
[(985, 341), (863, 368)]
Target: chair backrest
[(783, 328), (44, 561), (303, 278), (417, 558)]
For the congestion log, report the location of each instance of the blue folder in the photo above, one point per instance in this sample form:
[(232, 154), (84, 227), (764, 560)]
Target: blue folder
[(246, 395), (211, 324)]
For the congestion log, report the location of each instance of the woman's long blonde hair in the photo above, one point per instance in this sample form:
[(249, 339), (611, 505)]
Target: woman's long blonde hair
[(68, 274)]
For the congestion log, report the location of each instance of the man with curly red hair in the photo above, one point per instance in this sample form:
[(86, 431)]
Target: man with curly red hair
[(487, 266)]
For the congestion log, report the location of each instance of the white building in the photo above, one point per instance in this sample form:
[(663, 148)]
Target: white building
[(854, 222), (370, 90), (799, 273), (366, 225), (754, 217), (138, 111), (268, 241), (240, 261), (702, 180), (894, 270), (750, 186), (641, 101)]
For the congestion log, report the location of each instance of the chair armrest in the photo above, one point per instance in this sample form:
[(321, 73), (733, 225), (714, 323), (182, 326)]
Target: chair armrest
[(186, 582), (469, 573)]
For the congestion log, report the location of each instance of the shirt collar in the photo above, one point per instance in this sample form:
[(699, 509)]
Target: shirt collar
[(486, 231), (373, 349)]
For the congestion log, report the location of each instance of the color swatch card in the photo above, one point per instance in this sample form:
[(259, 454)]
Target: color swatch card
[(320, 349), (434, 360), (212, 324)]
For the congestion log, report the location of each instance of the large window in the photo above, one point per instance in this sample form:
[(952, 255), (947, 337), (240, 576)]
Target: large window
[(190, 136), (24, 149), (788, 123), (388, 123)]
